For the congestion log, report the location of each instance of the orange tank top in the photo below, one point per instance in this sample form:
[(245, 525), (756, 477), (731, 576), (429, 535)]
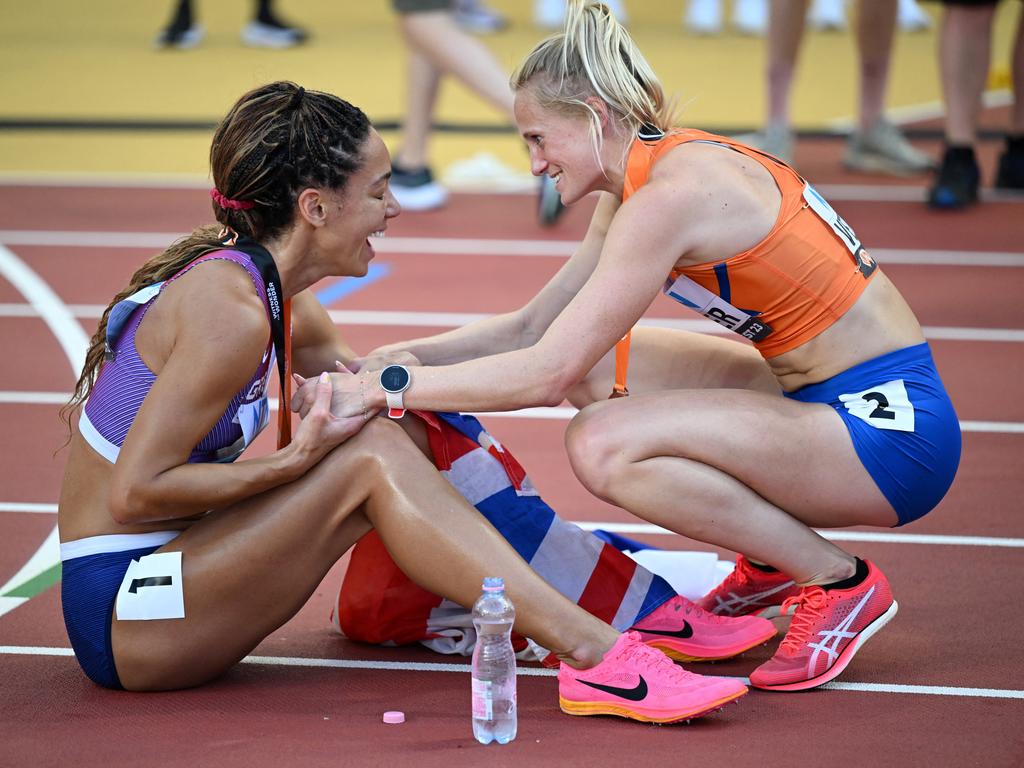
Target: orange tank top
[(806, 272)]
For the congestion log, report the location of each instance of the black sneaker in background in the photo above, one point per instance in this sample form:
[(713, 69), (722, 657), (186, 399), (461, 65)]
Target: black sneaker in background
[(179, 36), (957, 184), (1011, 165)]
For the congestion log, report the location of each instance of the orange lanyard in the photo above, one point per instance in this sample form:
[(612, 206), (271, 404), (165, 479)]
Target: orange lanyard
[(621, 367)]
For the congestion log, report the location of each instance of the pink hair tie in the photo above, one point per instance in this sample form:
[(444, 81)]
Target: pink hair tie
[(228, 203)]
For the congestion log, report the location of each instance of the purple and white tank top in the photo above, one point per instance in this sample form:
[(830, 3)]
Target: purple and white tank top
[(125, 380)]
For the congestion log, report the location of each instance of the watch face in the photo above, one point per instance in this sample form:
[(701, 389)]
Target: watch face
[(394, 378)]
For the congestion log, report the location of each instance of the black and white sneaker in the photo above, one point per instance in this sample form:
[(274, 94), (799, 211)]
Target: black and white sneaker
[(179, 36), (416, 190), (272, 34)]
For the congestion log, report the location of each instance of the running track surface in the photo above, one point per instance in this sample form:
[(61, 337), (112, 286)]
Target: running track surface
[(941, 685)]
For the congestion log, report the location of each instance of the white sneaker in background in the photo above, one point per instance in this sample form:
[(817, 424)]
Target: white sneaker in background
[(256, 34), (884, 149), (750, 17), (181, 38), (704, 17), (550, 14), (827, 16), (911, 18), (775, 140), (474, 16), (416, 190)]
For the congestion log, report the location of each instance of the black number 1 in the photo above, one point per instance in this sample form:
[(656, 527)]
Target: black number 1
[(881, 403)]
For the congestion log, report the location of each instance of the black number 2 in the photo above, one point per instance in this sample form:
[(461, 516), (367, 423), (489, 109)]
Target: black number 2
[(881, 403)]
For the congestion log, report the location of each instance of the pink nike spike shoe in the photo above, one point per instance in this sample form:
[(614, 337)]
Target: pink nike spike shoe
[(640, 683), (685, 632), (749, 590), (828, 628)]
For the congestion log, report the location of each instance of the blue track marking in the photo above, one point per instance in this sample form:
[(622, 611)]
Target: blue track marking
[(342, 287)]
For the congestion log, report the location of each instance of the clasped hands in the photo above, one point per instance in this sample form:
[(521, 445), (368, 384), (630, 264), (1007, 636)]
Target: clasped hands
[(350, 385)]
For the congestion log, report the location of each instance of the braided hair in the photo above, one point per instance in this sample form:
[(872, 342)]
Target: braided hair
[(277, 140)]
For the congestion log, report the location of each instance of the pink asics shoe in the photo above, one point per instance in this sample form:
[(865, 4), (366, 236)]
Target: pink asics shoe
[(636, 681), (685, 632), (828, 628), (749, 590)]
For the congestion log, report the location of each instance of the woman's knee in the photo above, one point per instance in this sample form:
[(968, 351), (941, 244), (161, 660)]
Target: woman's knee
[(594, 446)]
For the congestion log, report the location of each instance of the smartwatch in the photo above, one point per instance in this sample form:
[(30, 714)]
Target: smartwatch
[(394, 380)]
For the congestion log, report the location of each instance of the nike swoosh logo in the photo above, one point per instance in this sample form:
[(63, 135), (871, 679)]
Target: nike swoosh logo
[(637, 693), (682, 634)]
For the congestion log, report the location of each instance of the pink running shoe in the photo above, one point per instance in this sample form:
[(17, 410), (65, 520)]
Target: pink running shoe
[(685, 632), (636, 681), (749, 590), (828, 628)]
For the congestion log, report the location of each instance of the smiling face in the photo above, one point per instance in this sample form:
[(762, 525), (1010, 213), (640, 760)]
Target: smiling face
[(561, 146), (360, 211)]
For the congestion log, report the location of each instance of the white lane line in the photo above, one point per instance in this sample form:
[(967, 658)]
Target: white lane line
[(880, 537), (419, 666), (429, 246), (558, 413), (28, 506), (347, 317), (882, 193), (47, 305), (74, 342)]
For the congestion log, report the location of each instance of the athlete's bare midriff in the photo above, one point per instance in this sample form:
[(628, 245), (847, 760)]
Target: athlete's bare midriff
[(879, 322), (84, 508)]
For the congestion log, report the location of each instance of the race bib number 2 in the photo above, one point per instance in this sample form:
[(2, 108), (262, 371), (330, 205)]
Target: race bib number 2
[(883, 407)]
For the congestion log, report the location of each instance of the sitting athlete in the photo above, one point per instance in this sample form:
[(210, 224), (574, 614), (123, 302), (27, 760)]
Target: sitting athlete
[(834, 417), (178, 560)]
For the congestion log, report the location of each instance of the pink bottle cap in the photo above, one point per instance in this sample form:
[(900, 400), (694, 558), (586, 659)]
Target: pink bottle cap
[(394, 717)]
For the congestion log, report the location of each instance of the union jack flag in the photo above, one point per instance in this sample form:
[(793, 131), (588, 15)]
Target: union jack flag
[(377, 603)]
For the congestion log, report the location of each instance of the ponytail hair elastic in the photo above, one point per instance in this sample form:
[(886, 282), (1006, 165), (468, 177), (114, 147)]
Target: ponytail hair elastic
[(228, 204), (296, 100)]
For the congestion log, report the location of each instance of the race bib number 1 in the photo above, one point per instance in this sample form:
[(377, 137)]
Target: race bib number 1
[(883, 407)]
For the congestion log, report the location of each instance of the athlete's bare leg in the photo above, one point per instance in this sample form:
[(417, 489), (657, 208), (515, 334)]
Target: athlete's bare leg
[(664, 359), (707, 446), (248, 569)]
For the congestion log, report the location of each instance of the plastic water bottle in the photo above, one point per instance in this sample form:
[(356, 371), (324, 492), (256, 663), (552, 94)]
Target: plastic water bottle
[(494, 666)]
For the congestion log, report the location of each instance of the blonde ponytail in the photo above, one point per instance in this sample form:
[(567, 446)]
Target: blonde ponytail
[(594, 57)]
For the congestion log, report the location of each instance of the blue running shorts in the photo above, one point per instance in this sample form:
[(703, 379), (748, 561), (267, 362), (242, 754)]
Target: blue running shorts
[(902, 424), (90, 581)]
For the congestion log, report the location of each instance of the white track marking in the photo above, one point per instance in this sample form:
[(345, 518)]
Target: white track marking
[(880, 537), (419, 666), (74, 342), (431, 246), (558, 413), (457, 319)]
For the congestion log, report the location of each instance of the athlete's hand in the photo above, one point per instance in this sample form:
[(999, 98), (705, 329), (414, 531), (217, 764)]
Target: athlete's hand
[(381, 358), (348, 394), (320, 430)]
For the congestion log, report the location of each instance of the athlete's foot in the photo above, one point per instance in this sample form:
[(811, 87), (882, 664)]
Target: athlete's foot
[(685, 632), (749, 589), (638, 682), (828, 628)]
